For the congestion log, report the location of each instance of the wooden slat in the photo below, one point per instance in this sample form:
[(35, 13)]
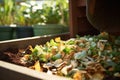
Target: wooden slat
[(24, 42), (10, 71)]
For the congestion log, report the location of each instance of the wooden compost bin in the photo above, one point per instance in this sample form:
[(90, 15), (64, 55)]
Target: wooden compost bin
[(78, 25), (15, 72)]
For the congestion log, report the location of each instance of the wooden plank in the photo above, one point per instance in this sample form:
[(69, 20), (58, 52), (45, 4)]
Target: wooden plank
[(10, 71), (24, 42), (73, 17)]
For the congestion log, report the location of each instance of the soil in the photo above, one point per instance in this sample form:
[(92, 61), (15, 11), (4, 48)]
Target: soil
[(12, 55)]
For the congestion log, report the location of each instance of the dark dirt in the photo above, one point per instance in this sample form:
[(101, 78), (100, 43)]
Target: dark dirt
[(11, 55)]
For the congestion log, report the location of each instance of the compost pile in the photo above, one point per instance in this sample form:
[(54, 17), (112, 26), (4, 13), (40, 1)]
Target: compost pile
[(81, 58)]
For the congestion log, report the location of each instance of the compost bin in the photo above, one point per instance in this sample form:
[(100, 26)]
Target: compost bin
[(79, 25)]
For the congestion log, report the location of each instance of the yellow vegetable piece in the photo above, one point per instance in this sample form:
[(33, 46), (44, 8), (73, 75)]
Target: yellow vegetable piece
[(30, 48), (58, 39), (77, 76), (37, 66)]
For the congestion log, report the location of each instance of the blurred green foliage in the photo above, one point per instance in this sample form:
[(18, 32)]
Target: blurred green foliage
[(54, 12), (57, 13), (7, 11)]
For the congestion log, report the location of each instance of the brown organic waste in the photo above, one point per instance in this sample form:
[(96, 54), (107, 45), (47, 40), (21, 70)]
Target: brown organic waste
[(81, 58)]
